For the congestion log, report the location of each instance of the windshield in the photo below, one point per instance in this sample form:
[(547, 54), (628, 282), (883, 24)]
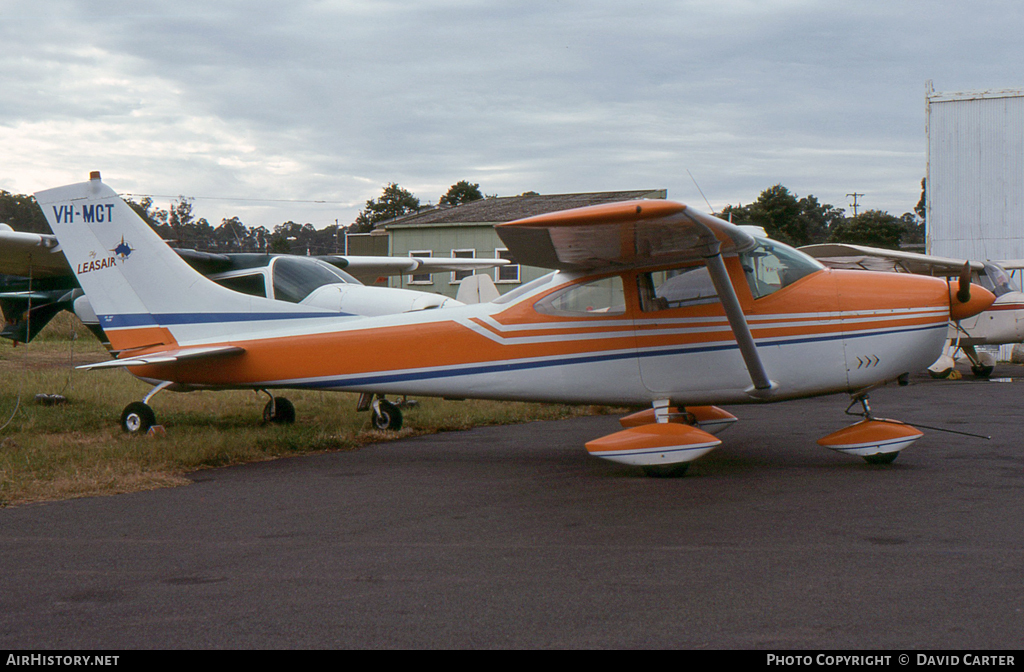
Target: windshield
[(995, 279), (771, 266)]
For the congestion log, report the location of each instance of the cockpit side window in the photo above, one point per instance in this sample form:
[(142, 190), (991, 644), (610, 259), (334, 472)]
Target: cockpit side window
[(252, 284), (662, 290), (591, 299), (771, 266)]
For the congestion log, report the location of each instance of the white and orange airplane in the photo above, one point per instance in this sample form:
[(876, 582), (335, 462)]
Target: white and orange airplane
[(651, 303), (1002, 323)]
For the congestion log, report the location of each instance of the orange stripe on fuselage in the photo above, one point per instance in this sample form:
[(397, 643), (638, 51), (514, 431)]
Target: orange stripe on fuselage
[(824, 296)]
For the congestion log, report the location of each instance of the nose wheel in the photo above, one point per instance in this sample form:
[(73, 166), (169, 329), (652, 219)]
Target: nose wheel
[(876, 440)]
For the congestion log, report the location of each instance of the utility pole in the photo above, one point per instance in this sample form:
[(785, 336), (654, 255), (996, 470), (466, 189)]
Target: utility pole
[(855, 195)]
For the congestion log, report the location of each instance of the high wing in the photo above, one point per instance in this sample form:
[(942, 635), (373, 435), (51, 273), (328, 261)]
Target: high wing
[(367, 269), (621, 235), (33, 255), (843, 255), (642, 234)]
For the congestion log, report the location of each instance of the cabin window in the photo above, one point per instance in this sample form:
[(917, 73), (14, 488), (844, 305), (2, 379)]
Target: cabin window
[(253, 284), (662, 290), (523, 290), (590, 299), (771, 266)]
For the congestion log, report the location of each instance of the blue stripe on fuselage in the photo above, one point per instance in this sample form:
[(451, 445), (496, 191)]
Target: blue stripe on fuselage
[(392, 378), (171, 319)]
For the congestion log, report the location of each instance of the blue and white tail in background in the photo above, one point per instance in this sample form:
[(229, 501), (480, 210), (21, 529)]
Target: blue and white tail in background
[(142, 292)]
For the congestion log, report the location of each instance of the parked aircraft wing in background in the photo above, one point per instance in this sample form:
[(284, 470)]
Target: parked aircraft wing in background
[(1001, 324)]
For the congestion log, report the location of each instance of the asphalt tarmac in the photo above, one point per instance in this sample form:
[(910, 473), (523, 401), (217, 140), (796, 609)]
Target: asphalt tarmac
[(514, 537)]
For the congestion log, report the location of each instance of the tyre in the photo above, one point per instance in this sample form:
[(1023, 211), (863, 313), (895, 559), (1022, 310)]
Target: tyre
[(280, 411), (137, 418), (666, 470), (387, 416)]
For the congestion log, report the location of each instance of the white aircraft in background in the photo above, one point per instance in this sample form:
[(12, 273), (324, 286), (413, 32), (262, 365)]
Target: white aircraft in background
[(36, 281), (1002, 323), (651, 304)]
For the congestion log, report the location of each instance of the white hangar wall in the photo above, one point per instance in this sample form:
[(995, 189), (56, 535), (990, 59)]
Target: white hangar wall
[(975, 188)]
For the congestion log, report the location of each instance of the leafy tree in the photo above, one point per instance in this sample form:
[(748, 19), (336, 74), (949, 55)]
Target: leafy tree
[(785, 218), (394, 202), (913, 229), (921, 209), (144, 209), (874, 227), (22, 213), (231, 234), (816, 219), (461, 192)]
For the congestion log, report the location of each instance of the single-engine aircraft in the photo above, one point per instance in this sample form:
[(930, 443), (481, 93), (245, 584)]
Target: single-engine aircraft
[(1002, 323), (651, 303), (37, 282)]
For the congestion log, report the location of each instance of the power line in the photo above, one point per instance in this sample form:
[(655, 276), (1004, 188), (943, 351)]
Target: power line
[(243, 200)]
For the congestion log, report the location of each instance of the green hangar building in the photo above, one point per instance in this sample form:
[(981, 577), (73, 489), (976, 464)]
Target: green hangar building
[(467, 230)]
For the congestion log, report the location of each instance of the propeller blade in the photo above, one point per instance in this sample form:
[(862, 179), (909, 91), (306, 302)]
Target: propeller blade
[(964, 294)]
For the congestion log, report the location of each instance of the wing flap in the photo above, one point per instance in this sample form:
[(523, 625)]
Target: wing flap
[(627, 234), (169, 357)]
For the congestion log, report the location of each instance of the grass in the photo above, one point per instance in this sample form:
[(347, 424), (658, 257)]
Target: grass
[(77, 449)]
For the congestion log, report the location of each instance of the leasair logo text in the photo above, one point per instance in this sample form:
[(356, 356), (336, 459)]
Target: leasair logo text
[(122, 251), (66, 214)]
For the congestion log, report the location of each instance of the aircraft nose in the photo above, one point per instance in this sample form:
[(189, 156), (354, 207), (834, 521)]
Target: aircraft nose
[(978, 300)]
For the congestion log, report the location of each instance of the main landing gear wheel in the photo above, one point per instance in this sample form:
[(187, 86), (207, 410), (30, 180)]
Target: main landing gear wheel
[(279, 411), (666, 470), (386, 416), (137, 417), (981, 370)]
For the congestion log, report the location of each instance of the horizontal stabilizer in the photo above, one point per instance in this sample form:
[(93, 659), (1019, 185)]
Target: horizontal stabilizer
[(169, 357)]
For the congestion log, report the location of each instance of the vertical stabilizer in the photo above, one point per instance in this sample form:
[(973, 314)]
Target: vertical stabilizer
[(142, 292)]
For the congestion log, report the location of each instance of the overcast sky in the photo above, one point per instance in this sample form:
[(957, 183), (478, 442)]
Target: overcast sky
[(257, 107)]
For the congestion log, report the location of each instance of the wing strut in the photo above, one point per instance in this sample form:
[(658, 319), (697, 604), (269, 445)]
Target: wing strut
[(763, 386)]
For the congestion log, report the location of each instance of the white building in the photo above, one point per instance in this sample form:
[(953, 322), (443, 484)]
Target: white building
[(975, 173)]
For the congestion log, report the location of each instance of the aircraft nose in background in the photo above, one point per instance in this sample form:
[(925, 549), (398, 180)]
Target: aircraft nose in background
[(980, 299)]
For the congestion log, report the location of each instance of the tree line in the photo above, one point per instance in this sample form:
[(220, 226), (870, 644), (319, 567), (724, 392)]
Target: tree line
[(784, 217)]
